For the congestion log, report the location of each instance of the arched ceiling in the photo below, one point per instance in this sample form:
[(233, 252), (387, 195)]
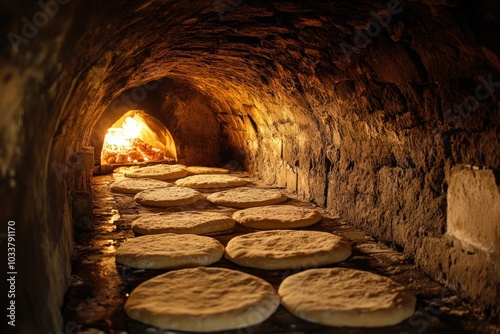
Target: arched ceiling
[(364, 122)]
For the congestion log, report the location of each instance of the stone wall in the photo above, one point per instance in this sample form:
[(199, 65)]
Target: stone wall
[(363, 108)]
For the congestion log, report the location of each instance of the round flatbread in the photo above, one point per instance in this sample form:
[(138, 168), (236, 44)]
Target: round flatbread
[(246, 197), (346, 297), (158, 172), (287, 249), (277, 216), (123, 169), (211, 181), (133, 186), (196, 170), (202, 300), (194, 222), (166, 197), (169, 251)]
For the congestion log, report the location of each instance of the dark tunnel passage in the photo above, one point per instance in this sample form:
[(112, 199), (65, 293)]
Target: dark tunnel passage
[(384, 113)]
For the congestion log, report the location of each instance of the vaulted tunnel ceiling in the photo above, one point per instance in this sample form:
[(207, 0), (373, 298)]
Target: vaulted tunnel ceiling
[(364, 122)]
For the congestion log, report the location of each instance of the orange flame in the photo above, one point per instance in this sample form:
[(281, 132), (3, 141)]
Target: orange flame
[(122, 138), (124, 144)]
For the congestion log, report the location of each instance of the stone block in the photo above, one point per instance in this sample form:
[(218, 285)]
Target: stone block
[(474, 208)]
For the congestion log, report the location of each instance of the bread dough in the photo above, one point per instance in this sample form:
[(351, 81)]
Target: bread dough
[(202, 300), (194, 222), (277, 216), (246, 197), (159, 172), (166, 197), (346, 297), (169, 251), (133, 186), (287, 249), (196, 170), (211, 181)]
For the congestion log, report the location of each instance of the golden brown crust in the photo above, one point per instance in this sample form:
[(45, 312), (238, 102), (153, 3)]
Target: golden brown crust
[(346, 297), (202, 300), (211, 181), (246, 197), (169, 251), (158, 172), (287, 249), (194, 222), (167, 197), (197, 170), (133, 186), (277, 216)]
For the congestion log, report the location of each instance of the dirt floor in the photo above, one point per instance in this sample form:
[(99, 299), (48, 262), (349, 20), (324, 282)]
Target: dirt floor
[(100, 286)]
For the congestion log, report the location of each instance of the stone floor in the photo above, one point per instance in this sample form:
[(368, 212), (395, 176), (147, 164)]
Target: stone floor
[(100, 286)]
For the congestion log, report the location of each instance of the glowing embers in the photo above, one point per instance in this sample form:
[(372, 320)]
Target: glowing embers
[(124, 144), (137, 137)]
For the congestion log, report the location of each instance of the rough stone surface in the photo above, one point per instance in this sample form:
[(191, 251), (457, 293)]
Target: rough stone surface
[(473, 215), (372, 136)]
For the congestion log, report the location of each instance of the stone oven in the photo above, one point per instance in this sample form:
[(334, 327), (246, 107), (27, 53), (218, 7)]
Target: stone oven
[(385, 115), (136, 137)]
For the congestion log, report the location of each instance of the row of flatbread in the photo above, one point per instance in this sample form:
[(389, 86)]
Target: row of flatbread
[(193, 177), (203, 299), (259, 212), (196, 222), (164, 242), (240, 197), (271, 250), (199, 299), (164, 172), (215, 299), (150, 188)]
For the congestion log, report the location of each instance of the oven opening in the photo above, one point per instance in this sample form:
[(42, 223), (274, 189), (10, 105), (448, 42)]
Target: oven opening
[(137, 137)]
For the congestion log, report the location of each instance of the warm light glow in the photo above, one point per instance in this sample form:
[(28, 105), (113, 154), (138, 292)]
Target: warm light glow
[(125, 135), (125, 144), (131, 128)]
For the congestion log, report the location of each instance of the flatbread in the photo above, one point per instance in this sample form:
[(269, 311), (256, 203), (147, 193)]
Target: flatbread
[(123, 169), (287, 249), (194, 222), (202, 300), (196, 170), (133, 186), (169, 251), (246, 197), (346, 297), (159, 172), (211, 181), (166, 197), (277, 216)]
